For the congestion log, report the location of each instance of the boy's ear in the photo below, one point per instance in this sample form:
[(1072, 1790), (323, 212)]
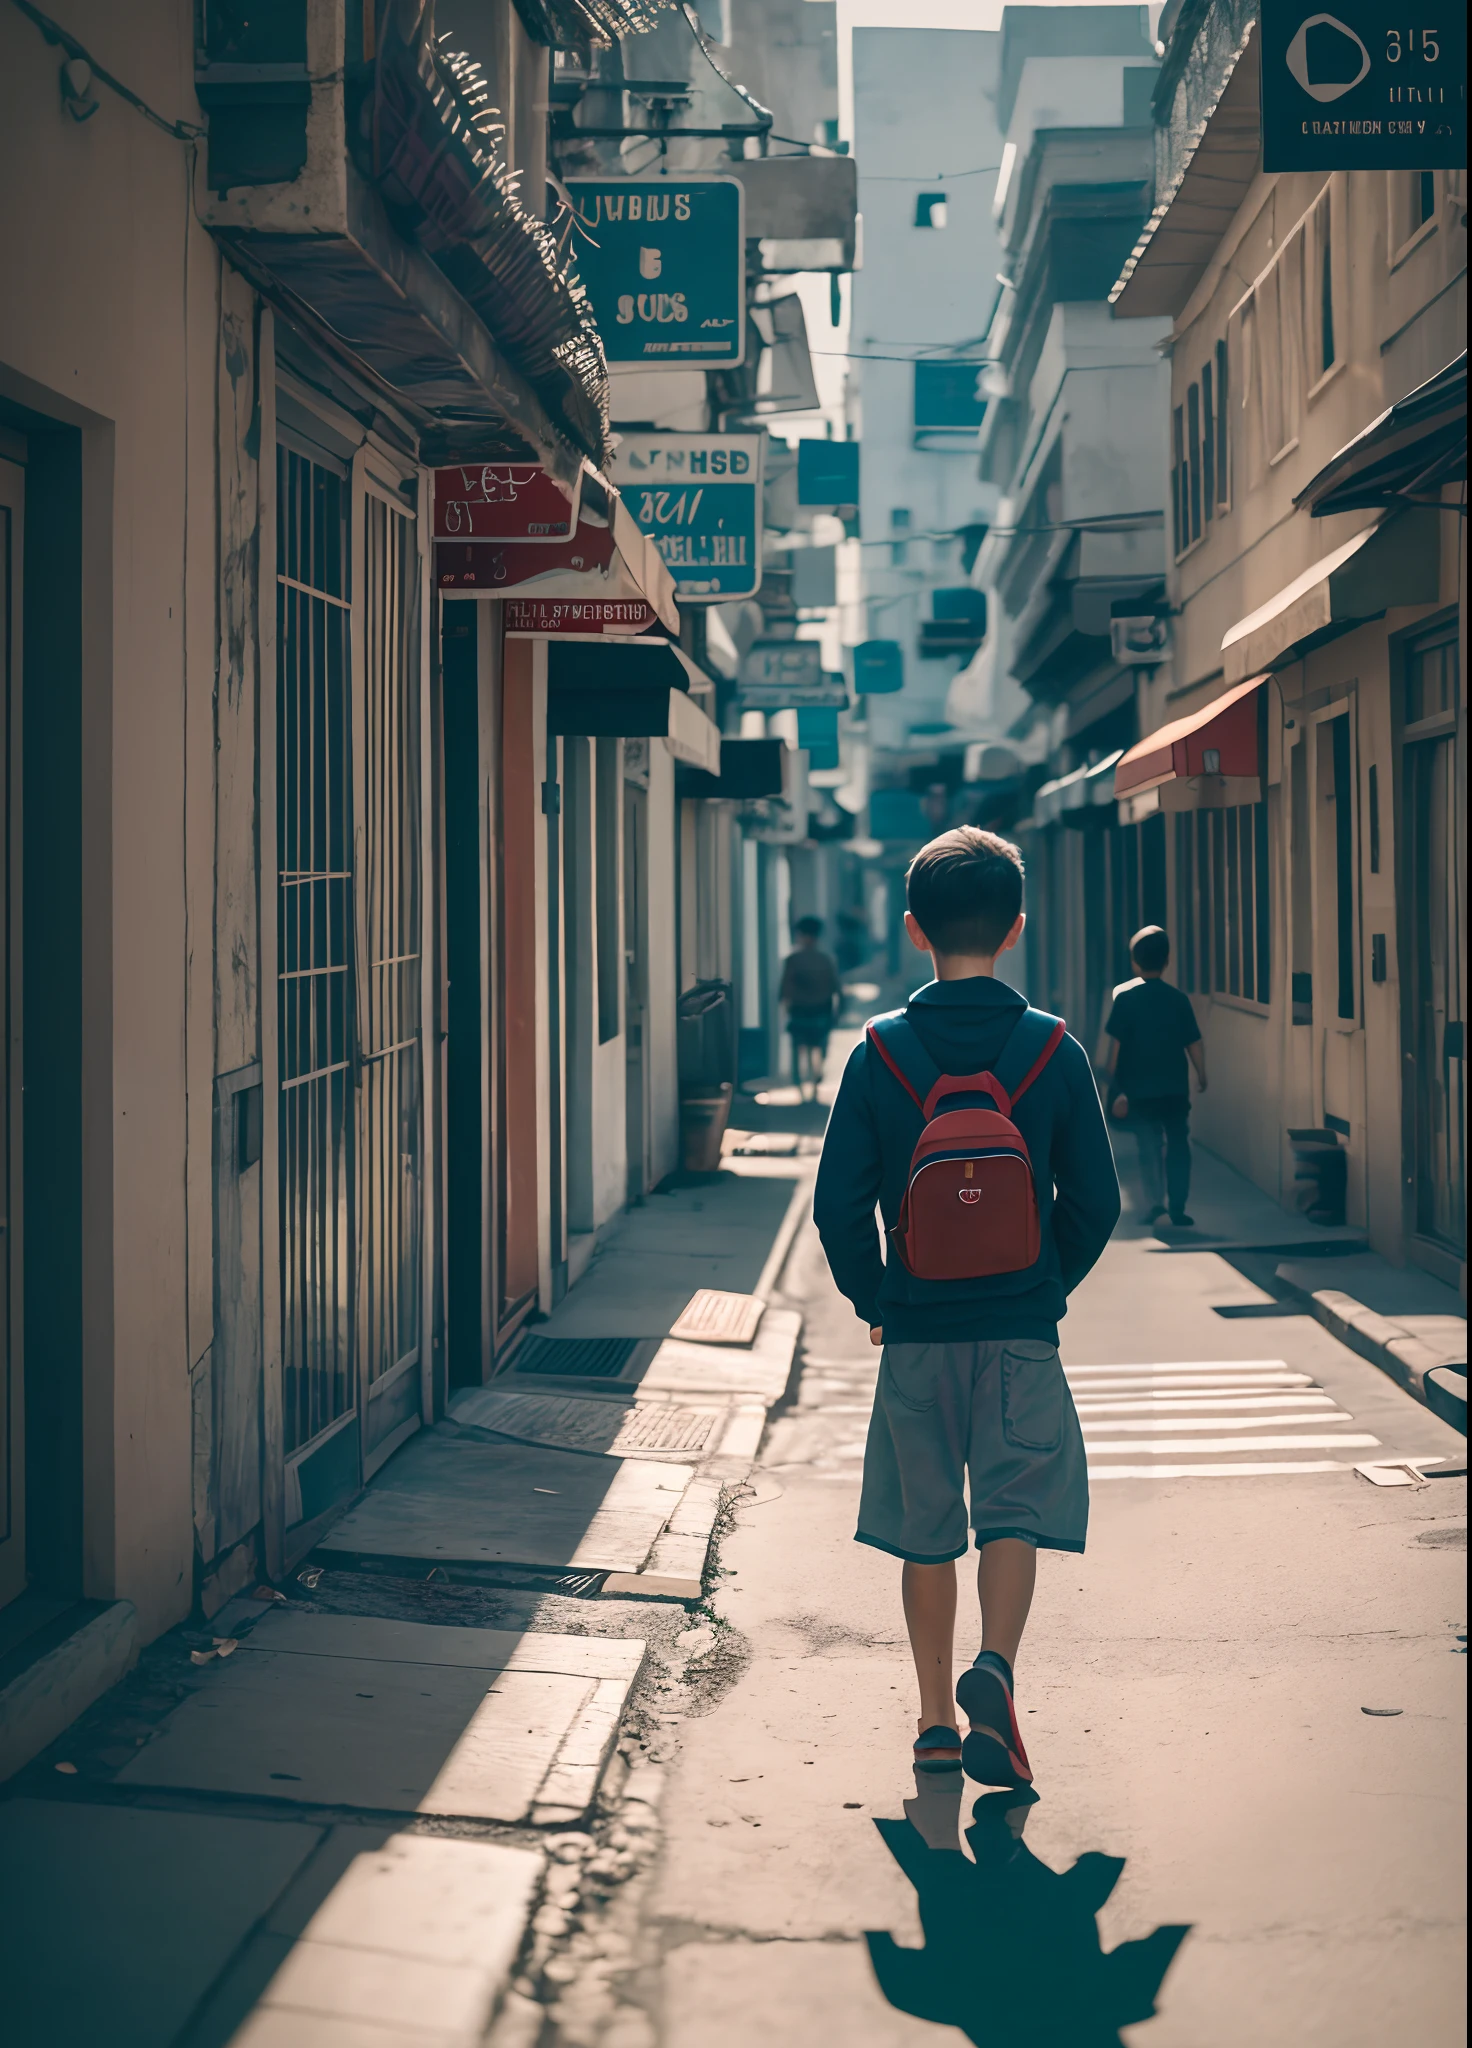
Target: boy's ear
[(1015, 934), (917, 938)]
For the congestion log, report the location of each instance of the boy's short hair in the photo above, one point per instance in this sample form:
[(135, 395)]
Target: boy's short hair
[(1150, 948), (810, 927), (965, 890)]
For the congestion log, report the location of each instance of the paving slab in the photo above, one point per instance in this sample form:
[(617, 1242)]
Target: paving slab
[(447, 1499), (662, 1428), (400, 1717), (414, 1943), (651, 1259), (118, 1920), (760, 1370)]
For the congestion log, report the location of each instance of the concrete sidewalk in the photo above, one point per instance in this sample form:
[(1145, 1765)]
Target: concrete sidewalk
[(348, 1812), (1399, 1318)]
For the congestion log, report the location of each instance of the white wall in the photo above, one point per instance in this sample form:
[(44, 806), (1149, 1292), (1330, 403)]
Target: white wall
[(108, 324)]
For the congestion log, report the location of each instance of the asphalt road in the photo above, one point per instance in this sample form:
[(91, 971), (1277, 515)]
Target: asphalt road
[(1193, 1692)]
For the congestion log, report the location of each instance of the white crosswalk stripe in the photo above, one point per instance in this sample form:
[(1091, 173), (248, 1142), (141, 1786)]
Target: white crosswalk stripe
[(1223, 1399)]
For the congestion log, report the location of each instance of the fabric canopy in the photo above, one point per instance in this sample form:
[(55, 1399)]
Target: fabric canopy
[(1219, 739)]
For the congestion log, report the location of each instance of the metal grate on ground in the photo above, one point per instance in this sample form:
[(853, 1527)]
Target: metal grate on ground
[(578, 1358)]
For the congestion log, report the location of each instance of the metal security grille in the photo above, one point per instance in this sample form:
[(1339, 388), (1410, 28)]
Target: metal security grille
[(315, 945), (390, 1177)]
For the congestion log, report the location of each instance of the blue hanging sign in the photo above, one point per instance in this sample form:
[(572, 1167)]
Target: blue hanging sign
[(699, 499), (664, 263), (879, 668)]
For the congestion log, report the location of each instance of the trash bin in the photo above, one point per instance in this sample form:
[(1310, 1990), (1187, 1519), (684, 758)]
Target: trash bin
[(705, 1038), (704, 1115), (1320, 1175)]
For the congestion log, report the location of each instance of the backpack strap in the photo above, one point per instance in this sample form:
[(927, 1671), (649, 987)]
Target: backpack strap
[(897, 1043), (1034, 1039)]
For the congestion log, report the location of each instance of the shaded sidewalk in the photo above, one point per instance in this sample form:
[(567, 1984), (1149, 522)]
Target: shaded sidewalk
[(351, 1810)]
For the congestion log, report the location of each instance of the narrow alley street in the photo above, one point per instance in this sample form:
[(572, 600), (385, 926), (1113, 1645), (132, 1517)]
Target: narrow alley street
[(561, 561)]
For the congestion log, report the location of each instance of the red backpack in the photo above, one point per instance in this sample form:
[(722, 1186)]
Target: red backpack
[(970, 1206)]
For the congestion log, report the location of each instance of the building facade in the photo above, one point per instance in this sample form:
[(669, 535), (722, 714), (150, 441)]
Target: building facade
[(1305, 744), (348, 905)]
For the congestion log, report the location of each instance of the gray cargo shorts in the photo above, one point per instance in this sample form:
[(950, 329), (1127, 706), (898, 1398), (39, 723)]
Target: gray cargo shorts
[(998, 1414)]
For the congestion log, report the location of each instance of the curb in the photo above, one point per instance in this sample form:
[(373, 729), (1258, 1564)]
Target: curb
[(1436, 1380)]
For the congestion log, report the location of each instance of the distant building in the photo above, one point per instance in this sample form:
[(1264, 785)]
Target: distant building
[(1073, 446), (927, 136)]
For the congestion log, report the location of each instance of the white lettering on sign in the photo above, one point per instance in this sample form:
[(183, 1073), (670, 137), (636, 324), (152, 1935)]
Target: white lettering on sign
[(651, 306), (641, 206), (702, 551)]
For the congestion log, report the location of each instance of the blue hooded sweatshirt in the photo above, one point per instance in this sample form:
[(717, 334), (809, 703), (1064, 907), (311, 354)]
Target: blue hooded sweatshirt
[(964, 1025)]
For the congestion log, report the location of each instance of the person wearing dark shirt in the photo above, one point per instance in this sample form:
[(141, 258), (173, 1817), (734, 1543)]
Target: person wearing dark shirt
[(810, 988), (971, 1396), (1153, 1031)]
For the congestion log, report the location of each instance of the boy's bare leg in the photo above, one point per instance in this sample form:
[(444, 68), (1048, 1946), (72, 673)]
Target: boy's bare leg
[(930, 1615), (1006, 1573)]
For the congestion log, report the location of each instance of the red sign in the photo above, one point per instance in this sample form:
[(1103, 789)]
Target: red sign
[(610, 616), (514, 501), (507, 565)]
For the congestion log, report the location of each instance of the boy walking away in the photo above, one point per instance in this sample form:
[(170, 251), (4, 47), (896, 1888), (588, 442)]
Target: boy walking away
[(974, 1123), (810, 988), (1153, 1030)]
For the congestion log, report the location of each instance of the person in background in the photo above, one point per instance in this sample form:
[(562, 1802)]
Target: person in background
[(1152, 1030), (810, 989)]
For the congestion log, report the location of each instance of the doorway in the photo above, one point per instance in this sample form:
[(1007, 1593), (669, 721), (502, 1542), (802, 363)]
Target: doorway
[(636, 993), (349, 1040), (1434, 968)]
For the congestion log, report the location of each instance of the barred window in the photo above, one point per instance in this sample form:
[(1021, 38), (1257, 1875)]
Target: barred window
[(1223, 902)]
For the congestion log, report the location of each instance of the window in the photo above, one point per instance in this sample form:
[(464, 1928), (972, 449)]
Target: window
[(1199, 452), (899, 526), (930, 210), (1280, 337), (1223, 902), (1222, 483), (1323, 352), (948, 397), (1413, 198), (1431, 674)]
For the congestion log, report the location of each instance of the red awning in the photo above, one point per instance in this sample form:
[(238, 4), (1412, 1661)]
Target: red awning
[(1219, 739)]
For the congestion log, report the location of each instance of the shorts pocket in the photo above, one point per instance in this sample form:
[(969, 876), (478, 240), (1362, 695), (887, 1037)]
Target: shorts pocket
[(910, 1373), (1033, 1396)]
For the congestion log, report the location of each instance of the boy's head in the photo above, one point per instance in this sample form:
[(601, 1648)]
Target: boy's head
[(809, 930), (965, 893), (1150, 949)]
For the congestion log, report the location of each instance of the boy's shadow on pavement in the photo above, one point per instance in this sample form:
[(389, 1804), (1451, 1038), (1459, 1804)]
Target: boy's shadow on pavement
[(1012, 1950)]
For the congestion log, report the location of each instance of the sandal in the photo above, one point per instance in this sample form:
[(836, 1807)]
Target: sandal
[(938, 1749)]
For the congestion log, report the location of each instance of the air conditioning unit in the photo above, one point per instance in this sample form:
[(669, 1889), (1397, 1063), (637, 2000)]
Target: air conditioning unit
[(1140, 642)]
